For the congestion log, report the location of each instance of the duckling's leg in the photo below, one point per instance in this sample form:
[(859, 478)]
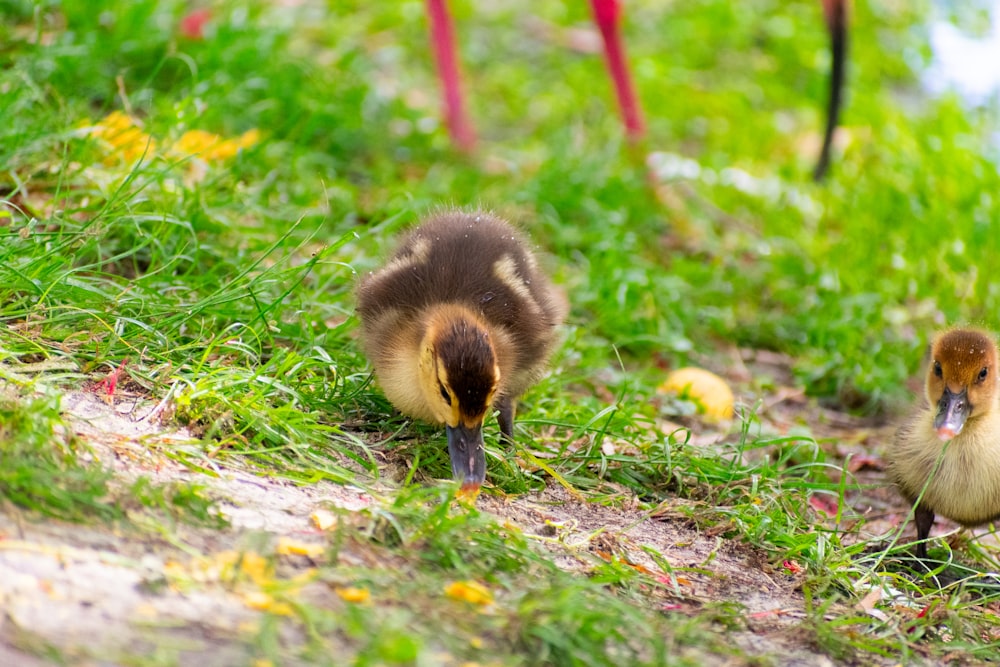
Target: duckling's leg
[(505, 418), (924, 519)]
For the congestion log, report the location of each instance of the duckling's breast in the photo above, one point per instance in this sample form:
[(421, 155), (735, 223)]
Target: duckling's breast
[(965, 487), (391, 340)]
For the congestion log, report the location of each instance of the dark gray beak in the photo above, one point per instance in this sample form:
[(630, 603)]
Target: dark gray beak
[(468, 457), (952, 411)]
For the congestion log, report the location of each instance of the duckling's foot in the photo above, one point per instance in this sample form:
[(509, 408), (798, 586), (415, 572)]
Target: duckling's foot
[(505, 418), (924, 518)]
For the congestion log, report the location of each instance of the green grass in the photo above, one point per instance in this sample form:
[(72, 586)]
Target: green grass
[(538, 614), (227, 285), (48, 470), (41, 470)]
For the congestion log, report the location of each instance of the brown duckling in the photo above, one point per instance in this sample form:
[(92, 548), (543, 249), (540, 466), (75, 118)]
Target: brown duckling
[(963, 390), (459, 322)]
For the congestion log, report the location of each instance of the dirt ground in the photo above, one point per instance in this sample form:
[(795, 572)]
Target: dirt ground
[(89, 592)]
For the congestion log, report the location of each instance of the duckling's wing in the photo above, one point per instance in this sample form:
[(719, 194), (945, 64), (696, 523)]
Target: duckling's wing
[(474, 259), (487, 264)]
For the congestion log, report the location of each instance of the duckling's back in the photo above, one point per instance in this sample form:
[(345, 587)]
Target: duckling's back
[(469, 258)]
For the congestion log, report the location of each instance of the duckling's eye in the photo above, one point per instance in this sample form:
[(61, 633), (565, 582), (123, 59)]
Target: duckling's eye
[(983, 373), (937, 368), (444, 394)]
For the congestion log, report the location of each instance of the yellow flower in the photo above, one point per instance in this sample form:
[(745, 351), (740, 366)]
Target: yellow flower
[(122, 135), (470, 591), (211, 147), (126, 140), (249, 138)]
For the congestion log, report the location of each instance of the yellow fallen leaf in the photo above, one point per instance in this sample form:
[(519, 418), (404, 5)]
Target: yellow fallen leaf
[(262, 601), (255, 566), (351, 594), (146, 610), (289, 547), (258, 600), (250, 627), (470, 591), (323, 519), (173, 569), (707, 389), (303, 578)]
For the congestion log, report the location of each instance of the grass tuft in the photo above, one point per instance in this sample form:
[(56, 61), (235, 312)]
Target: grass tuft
[(41, 468)]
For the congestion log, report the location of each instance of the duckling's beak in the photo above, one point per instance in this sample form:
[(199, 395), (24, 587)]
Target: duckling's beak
[(468, 456), (953, 410)]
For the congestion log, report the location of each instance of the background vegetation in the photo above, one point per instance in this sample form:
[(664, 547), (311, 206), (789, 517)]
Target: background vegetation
[(224, 280)]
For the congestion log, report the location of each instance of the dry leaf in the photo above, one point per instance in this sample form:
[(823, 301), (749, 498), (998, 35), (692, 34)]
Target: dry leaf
[(824, 504), (323, 519), (792, 566), (865, 462), (868, 602)]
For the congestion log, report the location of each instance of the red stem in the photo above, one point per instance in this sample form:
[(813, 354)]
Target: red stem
[(607, 14), (443, 41)]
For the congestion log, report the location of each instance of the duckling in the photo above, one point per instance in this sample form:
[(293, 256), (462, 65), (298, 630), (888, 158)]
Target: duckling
[(460, 322), (963, 416)]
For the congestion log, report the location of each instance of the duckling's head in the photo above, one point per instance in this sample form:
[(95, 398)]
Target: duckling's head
[(962, 379), (459, 376)]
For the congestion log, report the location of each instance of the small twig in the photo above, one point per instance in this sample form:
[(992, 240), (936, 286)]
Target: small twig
[(120, 81)]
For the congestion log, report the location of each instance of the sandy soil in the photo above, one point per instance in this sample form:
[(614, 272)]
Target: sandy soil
[(99, 595)]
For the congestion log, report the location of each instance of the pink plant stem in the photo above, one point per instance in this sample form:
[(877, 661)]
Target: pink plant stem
[(607, 14), (443, 41)]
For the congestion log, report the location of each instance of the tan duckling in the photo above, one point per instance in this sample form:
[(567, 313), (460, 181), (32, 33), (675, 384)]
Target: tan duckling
[(458, 323), (963, 389)]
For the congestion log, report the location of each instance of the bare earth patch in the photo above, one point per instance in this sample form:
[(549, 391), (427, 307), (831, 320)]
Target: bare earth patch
[(113, 594)]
